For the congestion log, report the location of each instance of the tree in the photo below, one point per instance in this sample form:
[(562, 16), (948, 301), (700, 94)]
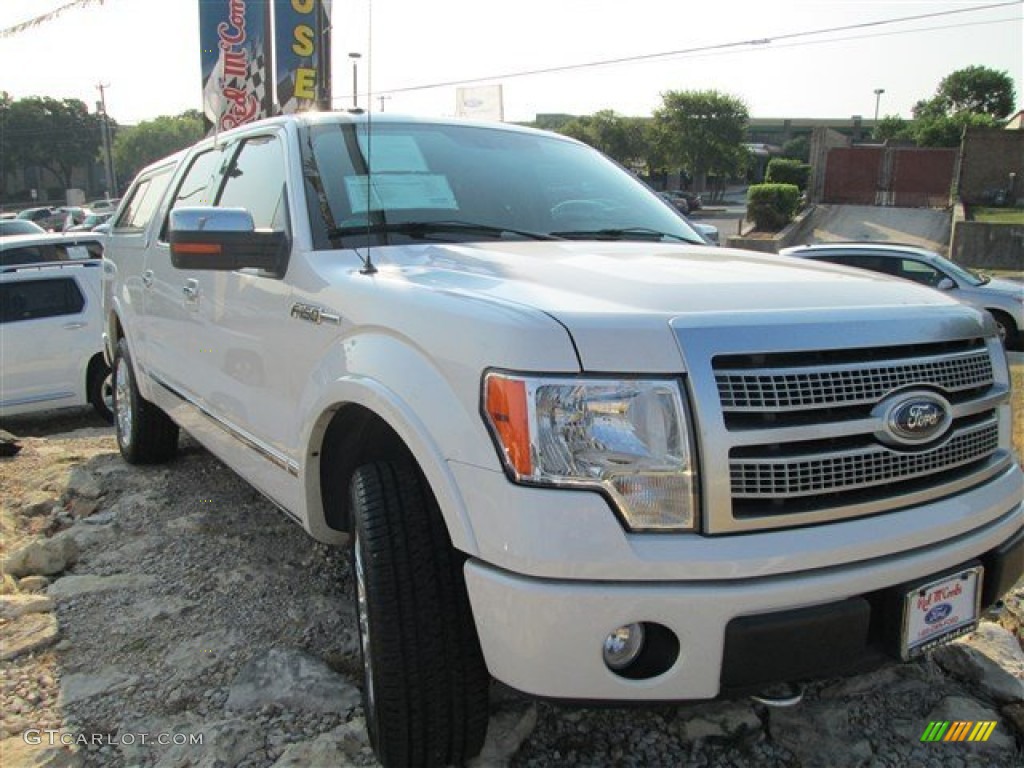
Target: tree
[(979, 91), (621, 138), (56, 135), (138, 146), (704, 132), (893, 128), (798, 148)]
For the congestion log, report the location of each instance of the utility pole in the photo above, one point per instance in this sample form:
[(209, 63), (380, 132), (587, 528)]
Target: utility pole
[(108, 155), (382, 100), (355, 81)]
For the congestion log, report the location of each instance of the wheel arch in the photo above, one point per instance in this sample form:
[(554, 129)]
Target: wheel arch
[(371, 424)]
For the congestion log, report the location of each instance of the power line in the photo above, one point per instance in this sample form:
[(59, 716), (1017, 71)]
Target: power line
[(755, 44), (43, 18)]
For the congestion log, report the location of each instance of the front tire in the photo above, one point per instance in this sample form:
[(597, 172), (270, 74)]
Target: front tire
[(1009, 334), (145, 434), (424, 679)]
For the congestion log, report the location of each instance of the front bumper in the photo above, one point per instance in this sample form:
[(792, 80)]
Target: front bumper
[(544, 637)]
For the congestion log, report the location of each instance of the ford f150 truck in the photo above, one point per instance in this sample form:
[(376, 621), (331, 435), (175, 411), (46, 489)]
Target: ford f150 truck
[(572, 447)]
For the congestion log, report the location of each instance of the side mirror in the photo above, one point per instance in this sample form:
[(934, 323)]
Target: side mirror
[(224, 239), (946, 284)]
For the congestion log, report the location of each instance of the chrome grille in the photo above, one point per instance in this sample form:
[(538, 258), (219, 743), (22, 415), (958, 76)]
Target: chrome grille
[(801, 388), (795, 476)]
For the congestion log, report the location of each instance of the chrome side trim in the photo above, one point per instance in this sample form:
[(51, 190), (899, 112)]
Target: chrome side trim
[(270, 454)]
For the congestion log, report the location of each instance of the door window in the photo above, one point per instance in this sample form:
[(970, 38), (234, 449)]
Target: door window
[(34, 299), (143, 201), (255, 180)]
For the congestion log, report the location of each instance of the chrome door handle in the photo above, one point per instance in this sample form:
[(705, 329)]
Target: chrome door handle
[(147, 278), (191, 290)]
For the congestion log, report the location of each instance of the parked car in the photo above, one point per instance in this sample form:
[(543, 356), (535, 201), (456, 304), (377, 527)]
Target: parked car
[(1003, 299), (685, 202), (566, 444), (708, 232), (47, 217), (10, 227), (50, 247), (106, 205), (51, 338), (91, 221)]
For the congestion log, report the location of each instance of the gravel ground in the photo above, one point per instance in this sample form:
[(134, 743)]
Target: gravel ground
[(185, 583)]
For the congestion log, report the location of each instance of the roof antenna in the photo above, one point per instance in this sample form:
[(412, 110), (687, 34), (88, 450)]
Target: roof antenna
[(368, 267)]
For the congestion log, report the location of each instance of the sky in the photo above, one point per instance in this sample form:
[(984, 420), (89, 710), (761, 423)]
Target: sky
[(147, 53)]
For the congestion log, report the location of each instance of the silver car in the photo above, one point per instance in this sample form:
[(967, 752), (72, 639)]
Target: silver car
[(1003, 299)]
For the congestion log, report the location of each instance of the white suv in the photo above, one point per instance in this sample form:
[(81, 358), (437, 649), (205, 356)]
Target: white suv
[(570, 446), (51, 326)]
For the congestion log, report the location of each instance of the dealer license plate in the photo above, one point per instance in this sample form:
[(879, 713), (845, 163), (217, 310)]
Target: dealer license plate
[(941, 610)]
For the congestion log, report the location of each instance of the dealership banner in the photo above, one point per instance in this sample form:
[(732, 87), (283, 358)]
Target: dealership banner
[(234, 37), (302, 53)]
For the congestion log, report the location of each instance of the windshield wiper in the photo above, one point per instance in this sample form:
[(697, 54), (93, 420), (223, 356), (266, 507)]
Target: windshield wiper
[(422, 229), (624, 233)]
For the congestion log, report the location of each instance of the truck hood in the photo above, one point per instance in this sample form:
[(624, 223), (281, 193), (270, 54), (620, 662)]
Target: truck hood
[(631, 289)]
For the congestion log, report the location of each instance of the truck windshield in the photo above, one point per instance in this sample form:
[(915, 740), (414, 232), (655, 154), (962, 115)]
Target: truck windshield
[(491, 183)]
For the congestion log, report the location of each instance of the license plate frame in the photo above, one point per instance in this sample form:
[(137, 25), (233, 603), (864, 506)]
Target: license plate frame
[(940, 610)]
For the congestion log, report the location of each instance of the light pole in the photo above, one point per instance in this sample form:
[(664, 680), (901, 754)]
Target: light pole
[(878, 99), (108, 155), (355, 80), (382, 100)]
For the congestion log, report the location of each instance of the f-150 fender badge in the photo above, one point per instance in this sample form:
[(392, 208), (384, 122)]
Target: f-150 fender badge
[(315, 315)]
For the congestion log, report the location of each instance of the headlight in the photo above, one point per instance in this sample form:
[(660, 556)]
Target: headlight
[(627, 438)]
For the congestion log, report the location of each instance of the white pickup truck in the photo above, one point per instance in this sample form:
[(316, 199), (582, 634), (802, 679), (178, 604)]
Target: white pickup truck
[(572, 447)]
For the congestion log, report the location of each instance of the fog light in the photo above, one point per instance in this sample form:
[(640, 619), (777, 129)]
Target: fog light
[(623, 645)]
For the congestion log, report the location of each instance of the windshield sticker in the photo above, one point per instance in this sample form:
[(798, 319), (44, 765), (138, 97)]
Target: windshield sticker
[(394, 154), (400, 191)]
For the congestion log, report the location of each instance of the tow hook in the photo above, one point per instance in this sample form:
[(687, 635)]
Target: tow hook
[(780, 696)]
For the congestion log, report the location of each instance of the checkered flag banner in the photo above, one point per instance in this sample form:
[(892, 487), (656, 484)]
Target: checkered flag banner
[(237, 69)]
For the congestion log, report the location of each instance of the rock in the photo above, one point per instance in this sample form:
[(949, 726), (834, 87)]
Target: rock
[(1014, 713), (8, 586), (15, 606), (9, 445), (30, 633), (724, 720), (84, 484), (990, 658), (507, 730), (887, 680), (960, 708), (72, 586), (33, 583), (83, 685), (83, 508), (339, 747), (16, 753), (197, 655), (101, 518), (224, 743), (38, 503), (42, 556), (820, 735), (293, 680)]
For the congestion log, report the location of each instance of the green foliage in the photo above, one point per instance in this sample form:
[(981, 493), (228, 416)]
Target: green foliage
[(772, 206), (53, 134), (702, 131), (798, 148), (978, 90), (947, 131), (893, 128), (782, 170), (138, 146), (621, 138)]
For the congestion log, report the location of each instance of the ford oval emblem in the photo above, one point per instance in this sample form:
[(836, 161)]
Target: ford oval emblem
[(938, 613), (912, 418)]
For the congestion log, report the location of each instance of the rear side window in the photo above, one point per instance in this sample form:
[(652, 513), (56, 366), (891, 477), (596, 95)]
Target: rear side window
[(34, 299), (142, 201), (44, 252)]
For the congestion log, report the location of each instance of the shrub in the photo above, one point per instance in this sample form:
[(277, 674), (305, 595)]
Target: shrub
[(784, 170), (772, 206)]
